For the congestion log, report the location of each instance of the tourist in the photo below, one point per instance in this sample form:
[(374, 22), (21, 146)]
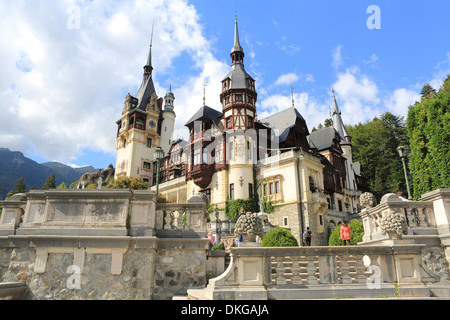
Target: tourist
[(211, 237), (345, 233), (307, 236)]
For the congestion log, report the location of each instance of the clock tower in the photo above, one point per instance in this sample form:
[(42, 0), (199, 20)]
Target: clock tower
[(140, 128)]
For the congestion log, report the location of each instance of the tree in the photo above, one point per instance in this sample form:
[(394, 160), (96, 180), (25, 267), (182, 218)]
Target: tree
[(19, 187), (74, 184), (50, 183), (279, 237), (374, 145), (62, 185), (427, 91), (429, 132)]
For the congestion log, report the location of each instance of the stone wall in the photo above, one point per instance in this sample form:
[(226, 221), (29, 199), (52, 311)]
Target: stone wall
[(103, 245)]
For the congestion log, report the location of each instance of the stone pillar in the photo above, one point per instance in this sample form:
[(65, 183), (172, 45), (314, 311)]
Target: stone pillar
[(142, 213), (441, 208)]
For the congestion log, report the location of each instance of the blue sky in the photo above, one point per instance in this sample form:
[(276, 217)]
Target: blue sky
[(67, 65)]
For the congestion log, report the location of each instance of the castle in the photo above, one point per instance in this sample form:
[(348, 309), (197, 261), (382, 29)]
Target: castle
[(309, 177)]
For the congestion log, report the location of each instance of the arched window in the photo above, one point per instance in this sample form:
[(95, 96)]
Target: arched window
[(312, 186)]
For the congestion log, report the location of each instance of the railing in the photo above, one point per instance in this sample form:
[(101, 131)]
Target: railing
[(102, 213), (419, 216), (181, 220), (323, 272), (326, 265)]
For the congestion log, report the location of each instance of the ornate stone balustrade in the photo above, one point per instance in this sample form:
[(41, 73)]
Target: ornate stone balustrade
[(324, 272), (419, 215), (182, 220)]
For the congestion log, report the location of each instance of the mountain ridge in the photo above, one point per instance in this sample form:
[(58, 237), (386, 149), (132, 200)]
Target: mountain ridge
[(14, 165)]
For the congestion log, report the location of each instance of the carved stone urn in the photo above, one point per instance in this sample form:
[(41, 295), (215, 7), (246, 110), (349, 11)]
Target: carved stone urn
[(367, 200), (249, 226), (394, 225)]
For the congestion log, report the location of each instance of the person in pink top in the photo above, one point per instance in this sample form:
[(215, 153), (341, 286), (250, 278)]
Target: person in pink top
[(345, 233), (211, 237)]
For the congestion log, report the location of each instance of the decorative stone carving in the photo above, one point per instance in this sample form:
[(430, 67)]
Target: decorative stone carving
[(367, 200), (433, 261), (249, 226), (394, 224)]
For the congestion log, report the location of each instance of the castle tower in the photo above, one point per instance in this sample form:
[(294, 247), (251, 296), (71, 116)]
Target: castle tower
[(139, 128), (238, 100), (168, 122), (346, 145)]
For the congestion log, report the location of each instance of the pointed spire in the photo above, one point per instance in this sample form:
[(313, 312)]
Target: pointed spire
[(148, 68), (292, 96), (237, 45), (338, 124), (204, 93), (237, 53)]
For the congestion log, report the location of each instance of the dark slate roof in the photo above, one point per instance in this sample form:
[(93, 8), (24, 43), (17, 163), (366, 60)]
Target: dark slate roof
[(206, 112), (146, 90), (323, 139), (238, 77), (337, 120), (283, 121)]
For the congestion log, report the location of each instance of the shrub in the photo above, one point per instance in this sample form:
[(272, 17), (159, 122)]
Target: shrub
[(279, 237), (355, 236), (219, 246), (124, 182)]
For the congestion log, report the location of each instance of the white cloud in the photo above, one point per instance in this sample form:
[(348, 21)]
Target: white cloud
[(442, 70), (312, 110), (372, 59), (399, 101), (337, 57), (357, 96), (62, 90), (286, 79)]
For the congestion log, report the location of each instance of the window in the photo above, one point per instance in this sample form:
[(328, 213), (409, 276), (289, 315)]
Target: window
[(340, 205), (285, 221), (329, 203), (146, 165), (124, 143), (321, 220), (197, 157), (232, 191), (149, 142), (271, 188), (219, 152), (231, 150), (265, 189), (238, 98), (250, 122), (277, 187), (205, 155), (249, 150), (312, 187), (207, 193), (250, 190), (229, 123)]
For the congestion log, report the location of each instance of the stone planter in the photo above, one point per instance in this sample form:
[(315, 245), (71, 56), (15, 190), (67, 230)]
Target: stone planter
[(394, 225)]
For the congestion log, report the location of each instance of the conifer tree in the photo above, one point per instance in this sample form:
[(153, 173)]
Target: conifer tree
[(19, 187), (50, 183), (429, 132)]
